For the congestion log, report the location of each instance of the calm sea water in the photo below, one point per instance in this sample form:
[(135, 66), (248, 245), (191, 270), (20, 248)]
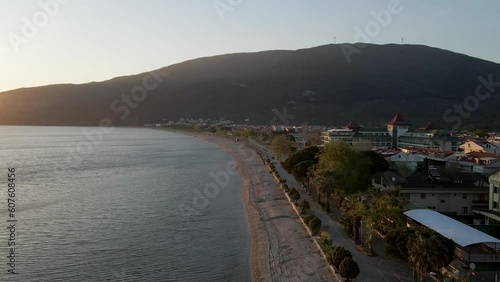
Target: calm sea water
[(109, 210)]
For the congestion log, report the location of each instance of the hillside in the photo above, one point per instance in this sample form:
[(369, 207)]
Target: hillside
[(316, 85)]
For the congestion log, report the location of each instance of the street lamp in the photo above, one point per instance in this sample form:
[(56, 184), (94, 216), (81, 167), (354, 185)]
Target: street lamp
[(472, 266), (361, 232)]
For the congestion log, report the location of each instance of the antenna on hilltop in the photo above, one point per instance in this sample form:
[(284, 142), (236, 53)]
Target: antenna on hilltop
[(402, 40), (334, 39)]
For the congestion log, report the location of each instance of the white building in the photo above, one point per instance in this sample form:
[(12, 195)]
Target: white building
[(494, 180), (490, 216), (480, 146), (454, 194)]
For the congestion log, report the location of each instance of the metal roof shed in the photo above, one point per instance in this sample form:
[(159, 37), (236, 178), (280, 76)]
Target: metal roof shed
[(460, 233)]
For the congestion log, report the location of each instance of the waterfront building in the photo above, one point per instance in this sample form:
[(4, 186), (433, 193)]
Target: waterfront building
[(397, 134)]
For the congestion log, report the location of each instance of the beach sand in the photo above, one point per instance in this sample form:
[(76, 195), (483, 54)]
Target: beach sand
[(281, 249)]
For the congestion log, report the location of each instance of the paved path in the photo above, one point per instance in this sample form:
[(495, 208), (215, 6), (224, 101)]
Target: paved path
[(373, 269), (281, 249)]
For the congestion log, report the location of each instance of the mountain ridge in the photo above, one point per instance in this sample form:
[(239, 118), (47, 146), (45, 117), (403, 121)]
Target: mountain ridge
[(315, 85)]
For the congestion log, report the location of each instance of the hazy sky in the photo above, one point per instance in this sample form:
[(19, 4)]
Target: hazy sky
[(77, 41)]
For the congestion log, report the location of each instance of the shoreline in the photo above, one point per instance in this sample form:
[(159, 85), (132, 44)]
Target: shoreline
[(280, 247)]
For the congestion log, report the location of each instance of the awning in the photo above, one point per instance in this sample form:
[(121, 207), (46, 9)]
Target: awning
[(461, 234)]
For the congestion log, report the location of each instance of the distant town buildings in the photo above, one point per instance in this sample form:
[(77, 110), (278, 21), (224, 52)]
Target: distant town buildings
[(490, 215), (481, 146), (397, 134), (452, 193)]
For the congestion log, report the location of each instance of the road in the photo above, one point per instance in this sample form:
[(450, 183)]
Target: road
[(375, 268)]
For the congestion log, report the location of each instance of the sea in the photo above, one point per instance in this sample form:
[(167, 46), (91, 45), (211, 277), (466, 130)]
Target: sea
[(118, 204)]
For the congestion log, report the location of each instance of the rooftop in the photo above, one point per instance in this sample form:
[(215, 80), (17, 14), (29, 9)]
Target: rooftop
[(398, 120), (460, 233), (429, 126), (352, 125)]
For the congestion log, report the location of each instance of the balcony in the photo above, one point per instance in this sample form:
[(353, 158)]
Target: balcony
[(484, 257)]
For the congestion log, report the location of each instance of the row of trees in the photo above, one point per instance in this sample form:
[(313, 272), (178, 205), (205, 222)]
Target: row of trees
[(380, 211), (339, 257), (337, 170)]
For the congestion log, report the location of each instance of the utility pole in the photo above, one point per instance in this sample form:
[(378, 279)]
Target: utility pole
[(402, 40), (334, 39)]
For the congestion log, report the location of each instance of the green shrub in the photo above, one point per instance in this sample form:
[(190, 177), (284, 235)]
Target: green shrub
[(348, 268), (325, 237), (337, 254), (308, 218), (294, 194), (304, 206), (347, 223), (315, 225), (285, 188)]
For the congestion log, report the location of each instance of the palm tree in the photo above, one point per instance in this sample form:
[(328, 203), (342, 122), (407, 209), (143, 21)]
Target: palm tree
[(311, 173), (354, 210), (324, 181), (428, 251), (386, 210)]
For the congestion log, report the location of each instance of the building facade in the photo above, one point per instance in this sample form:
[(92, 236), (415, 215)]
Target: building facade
[(494, 179), (397, 134), (452, 194)]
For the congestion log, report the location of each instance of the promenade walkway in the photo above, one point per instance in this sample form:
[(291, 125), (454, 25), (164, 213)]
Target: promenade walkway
[(376, 268)]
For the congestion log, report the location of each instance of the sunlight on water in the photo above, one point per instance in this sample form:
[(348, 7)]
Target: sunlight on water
[(113, 213)]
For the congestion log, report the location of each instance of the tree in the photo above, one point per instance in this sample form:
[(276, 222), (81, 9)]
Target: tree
[(429, 251), (337, 254), (313, 139), (354, 210), (300, 171), (315, 225), (377, 162), (324, 181), (281, 147), (386, 210), (307, 154), (396, 242), (349, 268), (480, 132), (325, 237), (222, 130), (304, 206), (350, 168), (294, 194)]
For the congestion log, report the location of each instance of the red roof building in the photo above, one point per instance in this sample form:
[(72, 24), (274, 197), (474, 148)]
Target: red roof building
[(398, 120)]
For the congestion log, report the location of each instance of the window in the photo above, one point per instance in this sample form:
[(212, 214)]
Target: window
[(495, 189), (443, 201), (465, 209), (495, 205), (464, 196), (423, 196)]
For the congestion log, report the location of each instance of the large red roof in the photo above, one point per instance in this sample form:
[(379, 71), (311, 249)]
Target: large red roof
[(398, 120), (429, 126), (352, 125)]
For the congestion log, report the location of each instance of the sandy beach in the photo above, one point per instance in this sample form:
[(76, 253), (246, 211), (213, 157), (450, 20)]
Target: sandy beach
[(281, 249)]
